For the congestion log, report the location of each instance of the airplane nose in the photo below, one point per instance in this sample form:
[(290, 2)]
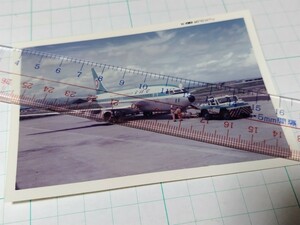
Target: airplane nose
[(191, 98)]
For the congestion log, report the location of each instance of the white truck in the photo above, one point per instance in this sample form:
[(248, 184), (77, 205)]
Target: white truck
[(225, 107)]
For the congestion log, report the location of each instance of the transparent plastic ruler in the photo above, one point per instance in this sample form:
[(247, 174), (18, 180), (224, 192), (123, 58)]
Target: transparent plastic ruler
[(238, 114)]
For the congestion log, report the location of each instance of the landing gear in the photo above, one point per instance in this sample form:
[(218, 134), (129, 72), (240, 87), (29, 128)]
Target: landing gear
[(117, 117), (148, 114)]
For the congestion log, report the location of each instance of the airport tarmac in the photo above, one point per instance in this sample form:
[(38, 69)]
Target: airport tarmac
[(65, 149)]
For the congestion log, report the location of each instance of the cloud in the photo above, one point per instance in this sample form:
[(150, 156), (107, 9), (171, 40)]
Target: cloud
[(228, 56), (154, 49), (205, 64), (250, 59), (211, 52)]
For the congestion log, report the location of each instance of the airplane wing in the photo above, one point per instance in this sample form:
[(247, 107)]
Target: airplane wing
[(121, 109)]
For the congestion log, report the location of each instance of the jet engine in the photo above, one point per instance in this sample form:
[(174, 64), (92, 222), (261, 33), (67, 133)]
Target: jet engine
[(105, 115), (191, 98)]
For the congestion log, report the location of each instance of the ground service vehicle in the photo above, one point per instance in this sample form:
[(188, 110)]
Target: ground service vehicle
[(225, 107)]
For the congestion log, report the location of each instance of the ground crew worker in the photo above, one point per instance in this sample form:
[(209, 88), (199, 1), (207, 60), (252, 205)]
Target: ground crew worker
[(176, 111), (173, 112)]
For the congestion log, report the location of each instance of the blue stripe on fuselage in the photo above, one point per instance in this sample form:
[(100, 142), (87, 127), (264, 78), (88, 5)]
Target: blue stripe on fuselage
[(141, 96)]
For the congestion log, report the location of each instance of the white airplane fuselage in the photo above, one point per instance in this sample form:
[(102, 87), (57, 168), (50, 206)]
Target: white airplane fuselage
[(146, 99), (151, 99)]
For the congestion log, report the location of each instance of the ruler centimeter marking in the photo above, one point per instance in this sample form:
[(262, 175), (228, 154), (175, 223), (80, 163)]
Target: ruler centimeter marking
[(104, 67), (48, 71)]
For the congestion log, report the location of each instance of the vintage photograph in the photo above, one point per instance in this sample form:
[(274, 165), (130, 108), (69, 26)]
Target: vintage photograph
[(136, 108)]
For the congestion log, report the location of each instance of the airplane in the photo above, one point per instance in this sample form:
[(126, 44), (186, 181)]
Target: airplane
[(146, 99)]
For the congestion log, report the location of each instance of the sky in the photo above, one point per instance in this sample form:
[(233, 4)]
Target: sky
[(214, 52)]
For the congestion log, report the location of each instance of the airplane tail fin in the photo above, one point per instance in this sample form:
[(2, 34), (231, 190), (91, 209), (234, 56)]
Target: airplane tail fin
[(100, 89)]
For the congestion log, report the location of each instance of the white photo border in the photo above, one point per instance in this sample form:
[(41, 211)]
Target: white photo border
[(144, 179)]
